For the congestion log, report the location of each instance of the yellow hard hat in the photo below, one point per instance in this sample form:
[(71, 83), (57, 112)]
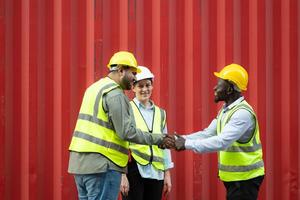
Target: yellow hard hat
[(124, 58), (236, 74)]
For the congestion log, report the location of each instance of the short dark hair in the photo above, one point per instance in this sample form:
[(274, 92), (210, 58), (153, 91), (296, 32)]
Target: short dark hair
[(115, 67), (233, 86), (135, 82)]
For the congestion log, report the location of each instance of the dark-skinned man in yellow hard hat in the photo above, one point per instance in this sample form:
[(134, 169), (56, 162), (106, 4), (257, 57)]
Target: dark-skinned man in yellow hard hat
[(234, 134)]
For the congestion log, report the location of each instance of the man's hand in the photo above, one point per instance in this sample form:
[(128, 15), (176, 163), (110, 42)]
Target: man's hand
[(168, 142), (124, 186), (179, 143)]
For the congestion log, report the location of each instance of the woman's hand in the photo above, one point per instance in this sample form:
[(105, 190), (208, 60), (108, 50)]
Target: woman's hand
[(124, 186), (167, 183)]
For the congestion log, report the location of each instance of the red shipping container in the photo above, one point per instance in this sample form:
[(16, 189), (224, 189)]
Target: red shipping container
[(51, 50)]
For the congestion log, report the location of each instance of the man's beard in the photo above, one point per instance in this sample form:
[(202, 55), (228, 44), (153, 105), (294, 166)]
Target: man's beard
[(220, 97), (125, 82)]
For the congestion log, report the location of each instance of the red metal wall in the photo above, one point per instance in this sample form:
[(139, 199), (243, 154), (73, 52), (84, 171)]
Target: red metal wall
[(52, 50)]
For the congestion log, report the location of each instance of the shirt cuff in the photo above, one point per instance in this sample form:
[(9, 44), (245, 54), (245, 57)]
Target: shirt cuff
[(189, 144), (157, 138), (168, 166)]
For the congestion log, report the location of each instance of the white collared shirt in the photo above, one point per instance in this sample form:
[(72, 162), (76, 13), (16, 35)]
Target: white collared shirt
[(148, 171), (239, 127)]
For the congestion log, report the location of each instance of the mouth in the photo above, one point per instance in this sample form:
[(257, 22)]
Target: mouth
[(144, 94)]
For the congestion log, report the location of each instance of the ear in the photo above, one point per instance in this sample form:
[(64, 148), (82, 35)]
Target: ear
[(121, 71), (229, 90)]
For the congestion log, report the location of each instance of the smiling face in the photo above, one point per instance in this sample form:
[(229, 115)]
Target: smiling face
[(143, 90)]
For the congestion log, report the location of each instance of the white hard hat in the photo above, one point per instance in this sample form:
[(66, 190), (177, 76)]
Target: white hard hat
[(144, 74)]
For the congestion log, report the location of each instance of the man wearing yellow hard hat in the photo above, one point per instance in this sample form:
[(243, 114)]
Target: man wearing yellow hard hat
[(234, 134), (105, 124)]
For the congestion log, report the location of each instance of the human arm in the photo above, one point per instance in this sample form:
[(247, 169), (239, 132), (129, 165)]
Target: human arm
[(210, 131), (121, 116), (167, 183), (239, 124), (124, 186), (168, 164)]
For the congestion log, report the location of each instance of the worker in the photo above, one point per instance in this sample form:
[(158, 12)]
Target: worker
[(234, 134), (148, 176), (105, 124)]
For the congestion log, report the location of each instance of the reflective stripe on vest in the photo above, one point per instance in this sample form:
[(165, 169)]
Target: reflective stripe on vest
[(252, 148), (93, 131), (95, 120), (240, 161), (101, 142), (145, 154), (241, 168)]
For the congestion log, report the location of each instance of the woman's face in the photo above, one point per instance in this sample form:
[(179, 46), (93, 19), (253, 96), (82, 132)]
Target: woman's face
[(143, 90)]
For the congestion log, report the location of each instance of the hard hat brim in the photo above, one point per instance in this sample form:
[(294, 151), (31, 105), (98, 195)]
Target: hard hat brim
[(217, 74), (138, 70)]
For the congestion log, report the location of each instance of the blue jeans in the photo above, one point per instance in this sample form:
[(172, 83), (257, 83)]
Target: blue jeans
[(102, 186)]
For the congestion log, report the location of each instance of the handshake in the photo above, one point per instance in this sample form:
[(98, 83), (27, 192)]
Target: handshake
[(173, 141)]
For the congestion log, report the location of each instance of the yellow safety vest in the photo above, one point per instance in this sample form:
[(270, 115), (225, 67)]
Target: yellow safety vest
[(240, 161), (145, 154), (93, 131)]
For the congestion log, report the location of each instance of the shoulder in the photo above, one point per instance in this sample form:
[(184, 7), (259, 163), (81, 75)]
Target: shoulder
[(159, 108), (242, 114), (115, 98), (115, 93)]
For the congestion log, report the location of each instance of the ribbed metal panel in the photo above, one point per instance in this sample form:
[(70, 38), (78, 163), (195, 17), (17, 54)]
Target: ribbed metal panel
[(52, 50)]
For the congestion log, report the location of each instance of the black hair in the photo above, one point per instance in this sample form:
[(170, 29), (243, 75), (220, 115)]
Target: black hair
[(233, 86), (115, 67)]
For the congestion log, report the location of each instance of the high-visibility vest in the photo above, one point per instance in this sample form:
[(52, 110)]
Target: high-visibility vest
[(240, 161), (93, 131), (145, 154)]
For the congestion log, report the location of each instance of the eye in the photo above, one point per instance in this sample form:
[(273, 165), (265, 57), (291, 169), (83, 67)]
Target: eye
[(134, 73)]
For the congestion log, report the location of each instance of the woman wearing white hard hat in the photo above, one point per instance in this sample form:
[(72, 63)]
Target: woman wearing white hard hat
[(148, 174)]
